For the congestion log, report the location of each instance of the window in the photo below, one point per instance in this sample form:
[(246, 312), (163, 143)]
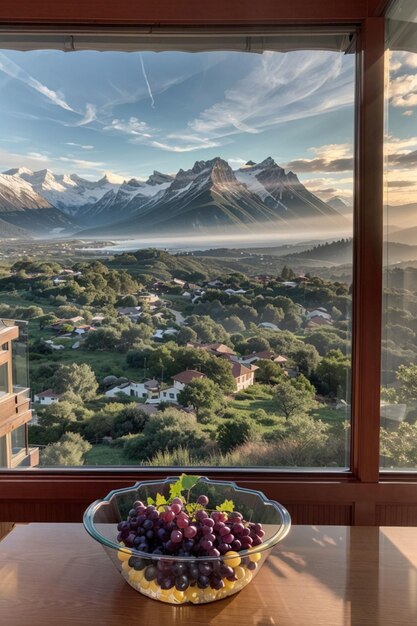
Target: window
[(399, 355), (214, 190), (18, 437), (4, 379), (3, 451)]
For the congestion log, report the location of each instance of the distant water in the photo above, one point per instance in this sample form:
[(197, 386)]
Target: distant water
[(188, 244)]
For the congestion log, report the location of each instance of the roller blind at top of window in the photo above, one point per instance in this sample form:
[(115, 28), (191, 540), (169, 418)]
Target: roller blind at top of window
[(160, 39)]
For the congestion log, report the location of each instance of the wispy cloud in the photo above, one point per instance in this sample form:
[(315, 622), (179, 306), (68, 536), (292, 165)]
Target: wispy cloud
[(82, 163), (13, 70), (89, 116), (133, 126), (185, 143), (278, 89), (79, 145), (145, 76)]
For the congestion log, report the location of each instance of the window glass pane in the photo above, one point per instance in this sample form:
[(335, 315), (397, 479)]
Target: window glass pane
[(192, 303), (18, 437), (3, 460), (399, 349), (4, 380)]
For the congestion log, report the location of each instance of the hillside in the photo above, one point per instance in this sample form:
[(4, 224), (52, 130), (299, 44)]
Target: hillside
[(340, 252)]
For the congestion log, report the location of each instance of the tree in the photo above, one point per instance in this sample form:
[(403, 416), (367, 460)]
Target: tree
[(69, 451), (102, 339), (407, 376), (201, 393), (233, 324), (58, 416), (272, 314), (291, 401), (166, 431), (208, 331), (186, 335), (130, 420), (128, 301), (333, 373), (234, 431), (400, 447), (303, 443), (269, 372), (305, 357), (80, 379)]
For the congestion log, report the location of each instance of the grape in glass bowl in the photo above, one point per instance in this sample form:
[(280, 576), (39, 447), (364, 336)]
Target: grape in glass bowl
[(188, 539)]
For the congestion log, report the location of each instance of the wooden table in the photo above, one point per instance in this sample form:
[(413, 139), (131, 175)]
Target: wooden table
[(56, 575)]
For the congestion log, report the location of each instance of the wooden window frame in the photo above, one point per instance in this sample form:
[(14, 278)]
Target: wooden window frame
[(362, 495)]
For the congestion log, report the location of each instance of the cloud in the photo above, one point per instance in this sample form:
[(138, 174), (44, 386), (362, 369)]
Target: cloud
[(398, 60), (89, 116), (31, 160), (280, 88), (13, 70), (79, 145), (38, 156), (82, 163), (403, 159), (403, 91), (329, 158), (408, 113), (399, 184), (148, 86), (132, 126), (185, 143), (236, 161)]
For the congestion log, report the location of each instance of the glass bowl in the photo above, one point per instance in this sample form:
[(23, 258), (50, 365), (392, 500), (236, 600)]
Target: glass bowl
[(210, 577)]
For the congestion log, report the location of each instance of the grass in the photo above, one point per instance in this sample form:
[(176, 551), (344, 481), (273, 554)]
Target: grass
[(101, 454), (329, 415), (104, 363), (262, 401)]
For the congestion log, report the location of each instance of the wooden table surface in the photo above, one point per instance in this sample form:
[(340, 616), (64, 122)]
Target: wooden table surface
[(56, 575)]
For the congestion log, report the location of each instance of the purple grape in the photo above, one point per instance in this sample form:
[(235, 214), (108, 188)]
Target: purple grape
[(176, 536), (190, 531)]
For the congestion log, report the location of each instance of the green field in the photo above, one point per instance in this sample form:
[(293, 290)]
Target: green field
[(101, 454)]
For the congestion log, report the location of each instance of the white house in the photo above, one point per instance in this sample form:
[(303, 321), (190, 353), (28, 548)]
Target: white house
[(170, 394), (149, 390), (268, 325), (132, 312), (319, 312), (264, 355), (243, 375), (164, 332), (232, 292), (47, 397)]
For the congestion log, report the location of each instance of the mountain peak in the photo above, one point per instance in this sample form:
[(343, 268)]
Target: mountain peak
[(113, 179), (250, 163), (158, 178), (18, 171), (268, 162)]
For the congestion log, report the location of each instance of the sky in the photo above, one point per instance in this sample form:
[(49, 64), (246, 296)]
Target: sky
[(131, 113)]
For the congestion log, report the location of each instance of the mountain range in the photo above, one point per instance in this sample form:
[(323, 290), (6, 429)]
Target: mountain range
[(210, 195)]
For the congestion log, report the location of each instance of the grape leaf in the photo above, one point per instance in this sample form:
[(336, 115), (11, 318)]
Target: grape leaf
[(192, 508), (150, 500), (227, 506), (188, 482), (175, 489), (160, 500)]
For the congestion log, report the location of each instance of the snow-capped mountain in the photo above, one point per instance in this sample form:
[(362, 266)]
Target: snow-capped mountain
[(23, 208), (209, 195)]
